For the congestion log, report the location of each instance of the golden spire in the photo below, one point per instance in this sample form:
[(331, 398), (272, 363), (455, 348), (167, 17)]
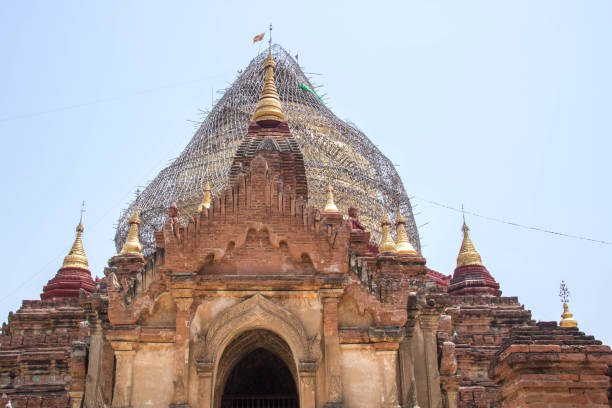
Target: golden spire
[(467, 254), (404, 247), (387, 246), (330, 206), (132, 243), (206, 199), (76, 257), (567, 319), (269, 111)]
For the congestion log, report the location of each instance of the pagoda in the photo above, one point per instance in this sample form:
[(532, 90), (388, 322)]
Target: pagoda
[(73, 276), (276, 263)]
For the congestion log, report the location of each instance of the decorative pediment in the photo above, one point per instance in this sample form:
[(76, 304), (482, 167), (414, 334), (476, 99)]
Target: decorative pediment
[(268, 143), (256, 312), (260, 224), (264, 252)]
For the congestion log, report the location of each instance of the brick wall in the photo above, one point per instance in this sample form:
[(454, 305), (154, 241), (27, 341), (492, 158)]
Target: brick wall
[(551, 366), (43, 353)]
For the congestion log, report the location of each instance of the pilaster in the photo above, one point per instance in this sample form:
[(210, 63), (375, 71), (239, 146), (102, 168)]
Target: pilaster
[(124, 354), (76, 398), (183, 301), (78, 354), (205, 371), (449, 380), (331, 342), (428, 321), (406, 356), (307, 387), (94, 366), (387, 357)]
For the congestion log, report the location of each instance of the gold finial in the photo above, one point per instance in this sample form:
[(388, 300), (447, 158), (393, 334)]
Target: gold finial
[(269, 111), (132, 244), (76, 257), (387, 246), (467, 254), (330, 206), (206, 199), (567, 318), (404, 247)]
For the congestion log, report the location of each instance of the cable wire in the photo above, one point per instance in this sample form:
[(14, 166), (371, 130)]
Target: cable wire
[(515, 224)]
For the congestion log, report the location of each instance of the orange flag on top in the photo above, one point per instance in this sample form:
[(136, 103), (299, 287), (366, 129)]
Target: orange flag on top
[(258, 37)]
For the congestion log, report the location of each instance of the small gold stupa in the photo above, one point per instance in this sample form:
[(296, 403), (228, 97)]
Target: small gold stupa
[(132, 244), (404, 247), (387, 246), (206, 199), (330, 206), (567, 318)]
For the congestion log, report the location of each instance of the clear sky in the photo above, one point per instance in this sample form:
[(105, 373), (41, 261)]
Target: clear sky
[(504, 106)]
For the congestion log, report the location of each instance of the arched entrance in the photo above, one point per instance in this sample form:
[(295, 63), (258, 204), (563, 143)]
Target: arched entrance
[(257, 370), (260, 379)]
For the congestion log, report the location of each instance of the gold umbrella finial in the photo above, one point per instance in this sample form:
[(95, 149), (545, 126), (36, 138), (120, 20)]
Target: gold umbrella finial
[(567, 318), (467, 254), (387, 246), (404, 247), (269, 112), (206, 199), (132, 244), (330, 205)]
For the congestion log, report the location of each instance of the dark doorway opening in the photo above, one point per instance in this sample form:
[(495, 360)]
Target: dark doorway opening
[(260, 380)]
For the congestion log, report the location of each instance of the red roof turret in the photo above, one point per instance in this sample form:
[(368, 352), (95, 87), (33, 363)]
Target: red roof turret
[(471, 277), (73, 275)]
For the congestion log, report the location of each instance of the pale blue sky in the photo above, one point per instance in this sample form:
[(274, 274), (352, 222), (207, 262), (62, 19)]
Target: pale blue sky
[(502, 106)]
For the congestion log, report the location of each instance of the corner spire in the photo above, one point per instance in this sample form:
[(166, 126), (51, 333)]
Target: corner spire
[(132, 244), (76, 257), (330, 206), (74, 275), (404, 247), (470, 276), (387, 246), (206, 199), (269, 112), (468, 254)]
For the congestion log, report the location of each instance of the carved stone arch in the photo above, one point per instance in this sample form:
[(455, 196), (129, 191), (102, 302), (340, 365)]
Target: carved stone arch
[(257, 312)]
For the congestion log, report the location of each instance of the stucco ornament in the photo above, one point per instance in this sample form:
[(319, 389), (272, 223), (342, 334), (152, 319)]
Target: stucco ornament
[(256, 312)]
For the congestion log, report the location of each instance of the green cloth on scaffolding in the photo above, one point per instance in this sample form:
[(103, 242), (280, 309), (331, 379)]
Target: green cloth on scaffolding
[(306, 88)]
